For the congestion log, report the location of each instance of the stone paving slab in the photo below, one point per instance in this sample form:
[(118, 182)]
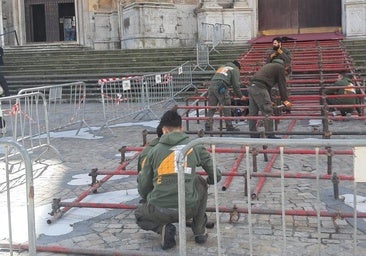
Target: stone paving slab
[(115, 230)]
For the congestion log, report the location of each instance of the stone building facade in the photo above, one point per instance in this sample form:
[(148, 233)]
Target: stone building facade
[(131, 24)]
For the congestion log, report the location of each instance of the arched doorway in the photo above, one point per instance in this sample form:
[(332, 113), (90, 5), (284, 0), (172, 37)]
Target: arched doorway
[(50, 21), (299, 16)]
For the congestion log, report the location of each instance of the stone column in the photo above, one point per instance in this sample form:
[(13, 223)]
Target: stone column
[(210, 4), (240, 4), (1, 23), (21, 23), (79, 9), (354, 18)]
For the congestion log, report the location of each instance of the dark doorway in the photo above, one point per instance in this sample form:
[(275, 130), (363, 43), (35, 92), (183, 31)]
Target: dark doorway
[(299, 16), (66, 15), (50, 20), (39, 23)]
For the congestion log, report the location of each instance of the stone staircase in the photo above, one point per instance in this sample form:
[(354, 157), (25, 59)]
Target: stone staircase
[(39, 65), (357, 50)]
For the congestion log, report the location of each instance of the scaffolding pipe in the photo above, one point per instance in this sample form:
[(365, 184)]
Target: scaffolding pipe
[(283, 117), (272, 175), (81, 251), (233, 170), (270, 151), (268, 168), (58, 214), (307, 213)]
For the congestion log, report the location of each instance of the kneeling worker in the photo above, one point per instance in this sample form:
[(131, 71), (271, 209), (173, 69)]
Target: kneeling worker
[(157, 184)]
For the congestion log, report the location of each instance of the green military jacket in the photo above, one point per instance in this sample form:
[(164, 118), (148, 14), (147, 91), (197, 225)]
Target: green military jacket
[(348, 88), (158, 180), (272, 75), (142, 157), (230, 75), (285, 56)]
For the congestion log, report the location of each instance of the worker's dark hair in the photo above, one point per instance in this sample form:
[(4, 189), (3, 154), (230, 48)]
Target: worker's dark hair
[(159, 130), (171, 118), (277, 38), (236, 63)]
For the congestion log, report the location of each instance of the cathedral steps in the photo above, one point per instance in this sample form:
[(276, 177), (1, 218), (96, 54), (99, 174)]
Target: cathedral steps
[(38, 65)]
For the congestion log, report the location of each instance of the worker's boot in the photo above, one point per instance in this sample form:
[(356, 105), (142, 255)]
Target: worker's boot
[(208, 126), (231, 128)]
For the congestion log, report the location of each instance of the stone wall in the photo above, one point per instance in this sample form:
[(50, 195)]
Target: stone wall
[(132, 24), (158, 25), (354, 18)]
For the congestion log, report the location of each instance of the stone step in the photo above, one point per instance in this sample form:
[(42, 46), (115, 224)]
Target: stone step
[(27, 67), (357, 51)]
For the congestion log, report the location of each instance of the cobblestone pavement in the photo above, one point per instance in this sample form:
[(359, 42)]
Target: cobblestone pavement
[(115, 230)]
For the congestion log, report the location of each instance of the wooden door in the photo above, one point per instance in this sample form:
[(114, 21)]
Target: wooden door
[(298, 16), (319, 16)]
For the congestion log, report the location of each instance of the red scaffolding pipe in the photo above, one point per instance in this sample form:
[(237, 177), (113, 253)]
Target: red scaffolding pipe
[(291, 212), (269, 150), (81, 251), (254, 174), (93, 188), (233, 170), (268, 168)]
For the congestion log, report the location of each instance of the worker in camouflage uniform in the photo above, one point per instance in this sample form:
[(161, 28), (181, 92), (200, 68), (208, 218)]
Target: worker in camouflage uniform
[(142, 157), (279, 52), (157, 184), (346, 88), (270, 75), (227, 76)]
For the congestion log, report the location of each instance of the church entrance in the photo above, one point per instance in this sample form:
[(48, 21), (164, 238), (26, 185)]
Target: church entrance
[(299, 16), (50, 21)]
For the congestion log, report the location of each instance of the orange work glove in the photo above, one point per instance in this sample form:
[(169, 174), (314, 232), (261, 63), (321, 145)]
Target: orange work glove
[(287, 104), (243, 98), (279, 50)]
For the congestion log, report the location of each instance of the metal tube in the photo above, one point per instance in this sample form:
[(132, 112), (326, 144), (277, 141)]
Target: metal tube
[(329, 160), (233, 170), (261, 181), (254, 174), (335, 181), (60, 213), (224, 209), (82, 251), (271, 151)]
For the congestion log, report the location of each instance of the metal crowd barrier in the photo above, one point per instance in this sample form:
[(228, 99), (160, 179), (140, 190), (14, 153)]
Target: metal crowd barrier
[(25, 119), (359, 148), (16, 158), (207, 33), (202, 57), (215, 34), (182, 80), (138, 96), (123, 97), (65, 104)]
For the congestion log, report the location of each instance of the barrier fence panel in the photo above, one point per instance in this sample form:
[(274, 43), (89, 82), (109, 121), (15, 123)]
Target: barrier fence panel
[(65, 104), (25, 118), (181, 79), (164, 88), (16, 166), (207, 33), (159, 88), (223, 33), (280, 202), (123, 97), (141, 96), (202, 57)]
